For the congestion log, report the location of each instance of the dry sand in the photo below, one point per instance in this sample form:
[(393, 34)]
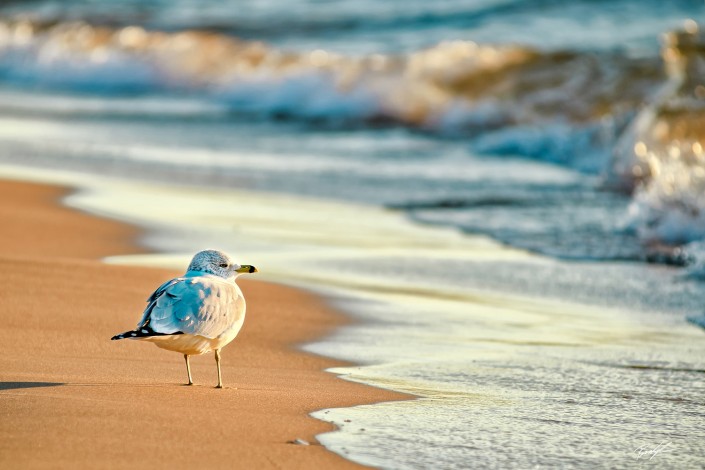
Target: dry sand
[(71, 398)]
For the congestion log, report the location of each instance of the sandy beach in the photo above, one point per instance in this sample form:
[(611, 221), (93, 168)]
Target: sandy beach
[(71, 398)]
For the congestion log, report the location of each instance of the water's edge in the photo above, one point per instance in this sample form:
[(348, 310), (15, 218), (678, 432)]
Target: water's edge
[(464, 349)]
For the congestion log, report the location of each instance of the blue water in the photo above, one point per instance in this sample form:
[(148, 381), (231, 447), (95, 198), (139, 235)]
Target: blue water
[(500, 118), (346, 81), (393, 26)]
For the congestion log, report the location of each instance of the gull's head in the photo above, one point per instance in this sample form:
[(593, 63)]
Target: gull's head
[(218, 263)]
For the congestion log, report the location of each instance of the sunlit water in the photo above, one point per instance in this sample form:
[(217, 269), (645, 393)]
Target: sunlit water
[(384, 154)]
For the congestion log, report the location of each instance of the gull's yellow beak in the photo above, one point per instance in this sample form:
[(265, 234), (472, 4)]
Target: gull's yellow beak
[(246, 268)]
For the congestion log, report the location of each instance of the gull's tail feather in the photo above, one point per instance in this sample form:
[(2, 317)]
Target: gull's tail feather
[(142, 332)]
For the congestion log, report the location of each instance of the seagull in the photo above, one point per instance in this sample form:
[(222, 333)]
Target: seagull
[(199, 312)]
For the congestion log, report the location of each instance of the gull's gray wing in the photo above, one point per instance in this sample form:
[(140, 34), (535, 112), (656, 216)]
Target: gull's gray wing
[(204, 305), (152, 301)]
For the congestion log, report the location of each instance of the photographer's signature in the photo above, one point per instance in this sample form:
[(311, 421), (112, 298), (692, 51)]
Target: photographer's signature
[(649, 451)]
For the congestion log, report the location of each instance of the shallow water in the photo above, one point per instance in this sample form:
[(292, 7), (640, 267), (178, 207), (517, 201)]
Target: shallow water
[(480, 184)]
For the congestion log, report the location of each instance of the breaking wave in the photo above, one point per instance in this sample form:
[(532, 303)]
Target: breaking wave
[(660, 159), (506, 93), (577, 109)]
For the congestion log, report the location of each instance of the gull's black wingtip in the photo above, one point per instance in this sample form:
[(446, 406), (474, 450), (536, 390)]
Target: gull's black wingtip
[(144, 332)]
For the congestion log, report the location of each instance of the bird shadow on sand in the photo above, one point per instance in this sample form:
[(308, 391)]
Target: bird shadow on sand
[(17, 385)]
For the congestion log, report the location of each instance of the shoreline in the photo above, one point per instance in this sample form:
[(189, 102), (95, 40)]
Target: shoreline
[(61, 388), (464, 354)]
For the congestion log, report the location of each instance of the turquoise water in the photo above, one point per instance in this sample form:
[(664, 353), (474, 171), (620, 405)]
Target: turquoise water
[(445, 173)]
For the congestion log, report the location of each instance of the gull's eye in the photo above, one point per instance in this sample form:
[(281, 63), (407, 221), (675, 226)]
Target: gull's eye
[(223, 265)]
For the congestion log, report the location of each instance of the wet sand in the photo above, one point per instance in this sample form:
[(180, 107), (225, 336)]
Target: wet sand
[(71, 398)]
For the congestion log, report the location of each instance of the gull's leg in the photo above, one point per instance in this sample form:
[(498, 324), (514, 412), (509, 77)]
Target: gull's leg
[(217, 363), (188, 370)]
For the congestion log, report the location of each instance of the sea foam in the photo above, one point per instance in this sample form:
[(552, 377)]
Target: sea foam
[(569, 108)]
